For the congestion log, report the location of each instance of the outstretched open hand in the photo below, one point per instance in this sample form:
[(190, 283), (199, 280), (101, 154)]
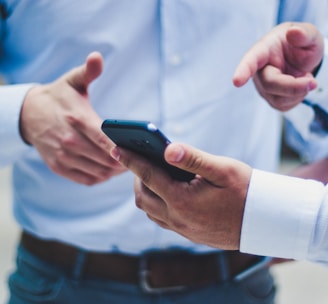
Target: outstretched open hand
[(59, 121)]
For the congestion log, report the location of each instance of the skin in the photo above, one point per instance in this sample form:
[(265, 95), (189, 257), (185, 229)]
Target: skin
[(282, 63), (317, 171), (59, 121), (209, 209)]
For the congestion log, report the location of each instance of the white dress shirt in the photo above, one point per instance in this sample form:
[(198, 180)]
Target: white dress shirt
[(286, 217)]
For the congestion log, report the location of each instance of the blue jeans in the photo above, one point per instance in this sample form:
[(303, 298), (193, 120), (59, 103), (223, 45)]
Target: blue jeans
[(35, 281)]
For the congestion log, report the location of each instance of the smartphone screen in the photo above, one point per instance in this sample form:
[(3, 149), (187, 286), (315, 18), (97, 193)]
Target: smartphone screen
[(144, 138)]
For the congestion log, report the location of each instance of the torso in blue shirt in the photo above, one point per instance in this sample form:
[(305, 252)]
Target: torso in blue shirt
[(170, 62)]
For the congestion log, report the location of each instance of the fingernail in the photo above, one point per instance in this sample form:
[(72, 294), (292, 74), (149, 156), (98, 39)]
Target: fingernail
[(311, 86), (177, 155), (115, 153)]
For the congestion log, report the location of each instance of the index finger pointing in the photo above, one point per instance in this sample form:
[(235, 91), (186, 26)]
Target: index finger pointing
[(254, 60)]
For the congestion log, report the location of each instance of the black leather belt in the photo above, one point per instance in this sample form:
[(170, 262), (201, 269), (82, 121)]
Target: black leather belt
[(154, 271)]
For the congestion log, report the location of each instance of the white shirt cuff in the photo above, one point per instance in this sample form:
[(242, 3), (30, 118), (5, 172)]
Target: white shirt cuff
[(280, 215)]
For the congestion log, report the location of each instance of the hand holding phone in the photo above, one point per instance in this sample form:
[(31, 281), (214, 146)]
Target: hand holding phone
[(144, 138)]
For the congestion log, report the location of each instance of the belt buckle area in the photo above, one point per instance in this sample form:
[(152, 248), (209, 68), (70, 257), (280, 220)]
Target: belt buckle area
[(144, 275)]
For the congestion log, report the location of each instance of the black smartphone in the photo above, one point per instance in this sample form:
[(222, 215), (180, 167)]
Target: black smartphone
[(144, 138)]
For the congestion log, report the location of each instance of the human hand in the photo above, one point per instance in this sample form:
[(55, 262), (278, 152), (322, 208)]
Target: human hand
[(282, 63), (316, 170), (207, 210), (58, 120)]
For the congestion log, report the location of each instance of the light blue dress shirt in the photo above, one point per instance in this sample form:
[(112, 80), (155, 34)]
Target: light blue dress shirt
[(170, 62)]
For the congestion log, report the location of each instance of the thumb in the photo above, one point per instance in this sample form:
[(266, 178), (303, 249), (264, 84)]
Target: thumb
[(215, 169), (307, 43), (80, 77), (303, 35)]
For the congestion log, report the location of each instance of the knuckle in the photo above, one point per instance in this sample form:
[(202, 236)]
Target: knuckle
[(60, 155), (194, 162), (145, 175), (55, 165), (103, 141), (138, 201), (105, 174), (231, 172), (69, 140), (126, 161), (299, 91), (75, 120), (59, 161), (280, 103)]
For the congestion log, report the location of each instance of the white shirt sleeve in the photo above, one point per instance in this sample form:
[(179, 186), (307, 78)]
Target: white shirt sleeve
[(285, 217), (11, 100)]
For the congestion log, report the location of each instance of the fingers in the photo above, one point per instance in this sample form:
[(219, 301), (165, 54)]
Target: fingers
[(149, 202), (303, 35), (190, 159), (96, 145), (81, 77), (215, 169), (281, 64), (305, 48), (295, 48), (283, 91), (255, 59), (71, 161), (150, 174), (81, 148), (77, 175)]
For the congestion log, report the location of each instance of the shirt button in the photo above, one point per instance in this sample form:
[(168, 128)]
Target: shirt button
[(175, 60)]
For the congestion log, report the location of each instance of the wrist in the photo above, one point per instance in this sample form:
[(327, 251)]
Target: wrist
[(25, 114)]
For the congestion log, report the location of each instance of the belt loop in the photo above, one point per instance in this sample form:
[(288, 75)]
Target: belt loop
[(222, 266), (79, 264)]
